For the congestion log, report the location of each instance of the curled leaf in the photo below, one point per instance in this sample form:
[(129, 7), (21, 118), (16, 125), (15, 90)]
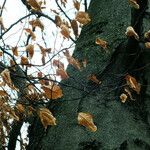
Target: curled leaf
[(86, 120), (101, 43), (83, 17), (94, 79), (123, 97), (131, 81), (130, 32), (134, 4), (46, 117)]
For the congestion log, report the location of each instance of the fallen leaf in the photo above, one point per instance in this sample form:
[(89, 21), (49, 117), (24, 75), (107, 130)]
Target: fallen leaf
[(86, 120), (46, 117)]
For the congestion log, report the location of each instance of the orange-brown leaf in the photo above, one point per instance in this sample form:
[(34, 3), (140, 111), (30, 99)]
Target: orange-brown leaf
[(101, 43), (86, 120), (76, 5), (24, 60), (94, 79), (52, 92), (15, 50), (6, 77), (58, 63), (58, 21), (131, 81), (31, 33), (65, 31), (82, 17), (46, 117), (37, 23), (123, 97), (30, 50), (62, 73), (35, 5), (74, 26)]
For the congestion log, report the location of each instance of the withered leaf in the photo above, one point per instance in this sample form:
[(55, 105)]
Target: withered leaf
[(134, 4), (30, 50), (101, 43), (130, 32), (86, 120)]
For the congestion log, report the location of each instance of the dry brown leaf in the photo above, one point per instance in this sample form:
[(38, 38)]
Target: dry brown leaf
[(58, 21), (1, 23), (6, 77), (134, 4), (63, 2), (20, 108), (52, 92), (130, 32), (46, 117), (65, 31), (123, 97), (24, 60), (101, 43), (86, 120), (62, 73), (147, 35), (76, 5), (58, 63), (82, 17), (131, 81), (31, 33), (147, 45), (94, 79), (1, 53), (37, 23), (30, 50), (3, 93), (15, 50), (35, 5), (72, 60), (74, 26)]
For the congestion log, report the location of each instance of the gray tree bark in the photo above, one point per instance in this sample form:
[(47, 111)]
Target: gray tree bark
[(120, 126)]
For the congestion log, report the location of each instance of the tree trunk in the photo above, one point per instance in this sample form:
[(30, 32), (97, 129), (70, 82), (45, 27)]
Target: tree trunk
[(120, 126)]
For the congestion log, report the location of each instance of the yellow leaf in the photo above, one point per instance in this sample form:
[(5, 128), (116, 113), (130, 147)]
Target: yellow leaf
[(30, 50), (65, 31), (101, 43), (31, 33), (58, 21), (123, 97), (15, 50), (74, 26), (46, 117), (37, 23), (134, 4), (94, 79), (52, 91), (131, 81), (82, 17), (76, 4), (130, 32), (35, 5), (86, 120)]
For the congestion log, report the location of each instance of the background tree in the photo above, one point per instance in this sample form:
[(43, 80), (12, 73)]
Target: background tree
[(113, 88)]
